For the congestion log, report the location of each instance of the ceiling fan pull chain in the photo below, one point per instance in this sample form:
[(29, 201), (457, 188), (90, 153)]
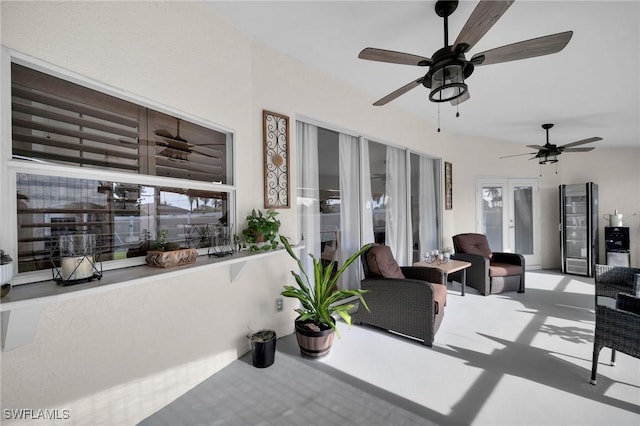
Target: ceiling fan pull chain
[(438, 118)]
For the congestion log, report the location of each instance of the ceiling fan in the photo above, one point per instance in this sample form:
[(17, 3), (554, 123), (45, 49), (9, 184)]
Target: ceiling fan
[(548, 153), (179, 148), (449, 68)]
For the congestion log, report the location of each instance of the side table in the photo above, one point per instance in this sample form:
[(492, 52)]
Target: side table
[(449, 267)]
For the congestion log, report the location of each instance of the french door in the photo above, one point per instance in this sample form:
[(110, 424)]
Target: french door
[(508, 213)]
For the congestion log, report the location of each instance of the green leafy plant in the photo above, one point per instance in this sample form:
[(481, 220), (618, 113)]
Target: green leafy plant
[(161, 243), (161, 240), (320, 300), (262, 228)]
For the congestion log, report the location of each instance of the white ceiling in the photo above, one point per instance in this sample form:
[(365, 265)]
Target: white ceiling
[(591, 88)]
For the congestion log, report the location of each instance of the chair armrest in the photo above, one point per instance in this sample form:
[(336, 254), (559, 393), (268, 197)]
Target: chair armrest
[(629, 303), (611, 280), (390, 294), (423, 273), (479, 269), (509, 258)]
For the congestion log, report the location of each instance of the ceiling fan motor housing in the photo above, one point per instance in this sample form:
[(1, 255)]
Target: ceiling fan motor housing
[(446, 7)]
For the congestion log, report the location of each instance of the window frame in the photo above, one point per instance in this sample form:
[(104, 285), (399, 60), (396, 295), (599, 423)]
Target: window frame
[(11, 167)]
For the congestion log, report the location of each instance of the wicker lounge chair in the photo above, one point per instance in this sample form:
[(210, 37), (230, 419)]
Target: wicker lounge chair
[(490, 272), (407, 300), (617, 322)]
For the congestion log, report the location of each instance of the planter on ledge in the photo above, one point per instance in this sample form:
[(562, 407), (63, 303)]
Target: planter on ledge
[(168, 259)]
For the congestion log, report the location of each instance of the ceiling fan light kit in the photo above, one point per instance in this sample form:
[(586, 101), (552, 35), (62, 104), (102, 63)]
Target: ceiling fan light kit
[(446, 76), (449, 68), (548, 158)]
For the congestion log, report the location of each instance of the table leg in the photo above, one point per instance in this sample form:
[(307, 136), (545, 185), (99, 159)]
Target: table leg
[(464, 280)]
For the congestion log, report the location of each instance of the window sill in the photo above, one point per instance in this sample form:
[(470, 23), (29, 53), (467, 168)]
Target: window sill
[(22, 306), (48, 291)]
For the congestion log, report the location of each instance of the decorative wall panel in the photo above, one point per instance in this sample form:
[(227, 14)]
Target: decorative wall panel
[(276, 160)]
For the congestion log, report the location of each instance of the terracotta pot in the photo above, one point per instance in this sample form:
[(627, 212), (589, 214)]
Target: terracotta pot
[(313, 343)]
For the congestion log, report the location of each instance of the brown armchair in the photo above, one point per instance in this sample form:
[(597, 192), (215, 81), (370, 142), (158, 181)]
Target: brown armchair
[(406, 300), (490, 272)]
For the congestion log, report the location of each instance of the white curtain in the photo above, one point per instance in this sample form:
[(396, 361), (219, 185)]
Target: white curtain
[(308, 192), (397, 218), (428, 224), (349, 208), (367, 197)]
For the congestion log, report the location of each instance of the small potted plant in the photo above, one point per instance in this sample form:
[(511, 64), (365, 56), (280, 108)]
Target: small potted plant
[(167, 254), (262, 230), (263, 348), (315, 325), (6, 272)]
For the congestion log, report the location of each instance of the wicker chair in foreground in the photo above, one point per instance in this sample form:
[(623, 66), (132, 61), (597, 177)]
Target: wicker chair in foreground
[(407, 300), (617, 313)]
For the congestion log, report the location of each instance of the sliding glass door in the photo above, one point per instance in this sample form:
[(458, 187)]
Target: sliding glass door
[(354, 191)]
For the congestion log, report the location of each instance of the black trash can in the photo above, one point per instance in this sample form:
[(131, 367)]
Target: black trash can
[(263, 348)]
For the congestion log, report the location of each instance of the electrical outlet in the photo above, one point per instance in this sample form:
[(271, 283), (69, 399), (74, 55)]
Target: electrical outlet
[(263, 308), (279, 303)]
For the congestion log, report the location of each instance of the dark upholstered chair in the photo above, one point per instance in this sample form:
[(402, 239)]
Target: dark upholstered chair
[(406, 300), (617, 313), (490, 272)]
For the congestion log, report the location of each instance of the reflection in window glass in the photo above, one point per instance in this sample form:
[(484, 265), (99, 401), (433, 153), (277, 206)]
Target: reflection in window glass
[(492, 215), (125, 217), (523, 219), (330, 196), (60, 122), (377, 166)]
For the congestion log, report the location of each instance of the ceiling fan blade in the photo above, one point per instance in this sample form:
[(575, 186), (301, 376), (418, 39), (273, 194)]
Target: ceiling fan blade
[(481, 20), (580, 142), (382, 55), (401, 91), (524, 49), (517, 155), (577, 149), (536, 146), (460, 99)]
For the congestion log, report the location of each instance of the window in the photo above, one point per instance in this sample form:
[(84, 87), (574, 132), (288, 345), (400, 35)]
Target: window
[(85, 161)]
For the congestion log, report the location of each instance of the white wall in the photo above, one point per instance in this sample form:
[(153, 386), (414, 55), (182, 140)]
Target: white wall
[(116, 358)]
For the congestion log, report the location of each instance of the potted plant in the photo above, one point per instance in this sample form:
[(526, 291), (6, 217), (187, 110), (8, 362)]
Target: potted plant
[(263, 348), (167, 254), (6, 272), (315, 325), (262, 229)]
